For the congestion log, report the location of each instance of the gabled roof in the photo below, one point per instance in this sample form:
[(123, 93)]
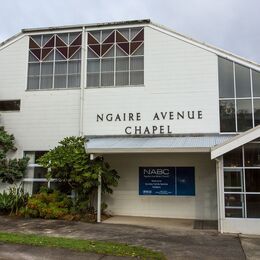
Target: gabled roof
[(235, 142), (142, 22)]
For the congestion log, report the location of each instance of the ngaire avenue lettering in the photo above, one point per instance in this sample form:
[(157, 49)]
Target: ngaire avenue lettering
[(156, 117)]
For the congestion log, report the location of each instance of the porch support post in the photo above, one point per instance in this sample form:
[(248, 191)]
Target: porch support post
[(220, 192), (99, 199), (92, 157)]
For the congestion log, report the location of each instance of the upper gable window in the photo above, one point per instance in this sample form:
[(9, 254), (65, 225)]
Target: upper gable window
[(115, 57), (239, 96), (54, 61)]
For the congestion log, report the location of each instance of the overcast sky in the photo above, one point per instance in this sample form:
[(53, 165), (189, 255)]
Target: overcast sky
[(233, 25)]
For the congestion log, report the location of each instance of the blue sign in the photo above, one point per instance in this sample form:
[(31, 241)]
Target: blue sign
[(178, 181), (156, 181)]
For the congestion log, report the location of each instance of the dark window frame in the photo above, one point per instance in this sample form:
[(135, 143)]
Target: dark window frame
[(15, 105)]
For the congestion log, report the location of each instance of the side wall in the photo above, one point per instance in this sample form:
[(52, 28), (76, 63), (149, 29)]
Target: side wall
[(45, 116), (126, 201)]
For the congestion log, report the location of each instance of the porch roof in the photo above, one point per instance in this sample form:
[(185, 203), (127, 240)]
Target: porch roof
[(235, 142), (189, 143)]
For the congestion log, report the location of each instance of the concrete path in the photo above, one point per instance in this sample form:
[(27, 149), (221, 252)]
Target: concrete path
[(176, 244), (251, 246)]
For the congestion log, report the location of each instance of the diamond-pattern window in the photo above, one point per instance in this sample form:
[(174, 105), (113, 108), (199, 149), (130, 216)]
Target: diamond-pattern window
[(115, 57), (54, 61)]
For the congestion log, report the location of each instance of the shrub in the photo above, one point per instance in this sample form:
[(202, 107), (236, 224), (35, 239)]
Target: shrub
[(12, 201), (11, 170), (5, 203), (71, 165), (47, 204)]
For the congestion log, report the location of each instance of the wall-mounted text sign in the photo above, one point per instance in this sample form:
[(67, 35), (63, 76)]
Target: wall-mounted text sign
[(158, 119), (178, 181)]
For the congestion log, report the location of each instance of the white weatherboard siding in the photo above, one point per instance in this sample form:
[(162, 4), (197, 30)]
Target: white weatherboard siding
[(126, 199), (46, 116), (178, 77)]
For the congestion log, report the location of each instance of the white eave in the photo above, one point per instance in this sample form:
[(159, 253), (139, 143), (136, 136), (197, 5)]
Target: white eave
[(169, 144), (235, 142)]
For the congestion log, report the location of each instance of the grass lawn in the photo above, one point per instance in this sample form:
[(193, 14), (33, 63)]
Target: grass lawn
[(99, 247)]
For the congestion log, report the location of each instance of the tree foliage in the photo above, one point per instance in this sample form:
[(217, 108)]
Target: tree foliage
[(11, 170), (69, 163)]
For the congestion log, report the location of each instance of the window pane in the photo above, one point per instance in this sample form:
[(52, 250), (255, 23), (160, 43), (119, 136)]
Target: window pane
[(93, 65), (33, 187), (34, 69), (234, 200), (73, 81), (33, 83), (244, 115), (107, 65), (107, 79), (29, 172), (226, 78), (252, 177), (122, 78), (47, 68), (93, 79), (136, 77), (39, 154), (234, 205), (139, 51), (46, 82), (61, 68), (243, 88), (233, 158), (257, 111), (122, 64), (233, 181), (253, 205), (10, 105), (60, 81), (233, 213), (185, 181), (252, 154), (32, 57), (256, 83), (120, 53), (76, 55), (137, 63), (74, 67), (227, 116), (40, 172)]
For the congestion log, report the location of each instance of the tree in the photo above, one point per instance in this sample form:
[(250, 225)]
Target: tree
[(11, 170), (70, 164)]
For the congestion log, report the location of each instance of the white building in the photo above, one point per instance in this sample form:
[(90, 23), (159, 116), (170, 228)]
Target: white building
[(175, 117)]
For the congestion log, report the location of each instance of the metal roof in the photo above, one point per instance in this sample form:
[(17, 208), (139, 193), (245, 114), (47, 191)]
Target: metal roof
[(235, 141), (90, 25), (154, 144)]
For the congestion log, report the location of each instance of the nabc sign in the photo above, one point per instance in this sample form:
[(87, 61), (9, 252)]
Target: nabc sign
[(179, 181)]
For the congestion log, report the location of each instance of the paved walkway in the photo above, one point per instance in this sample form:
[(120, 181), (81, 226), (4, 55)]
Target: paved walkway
[(251, 246), (176, 244)]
